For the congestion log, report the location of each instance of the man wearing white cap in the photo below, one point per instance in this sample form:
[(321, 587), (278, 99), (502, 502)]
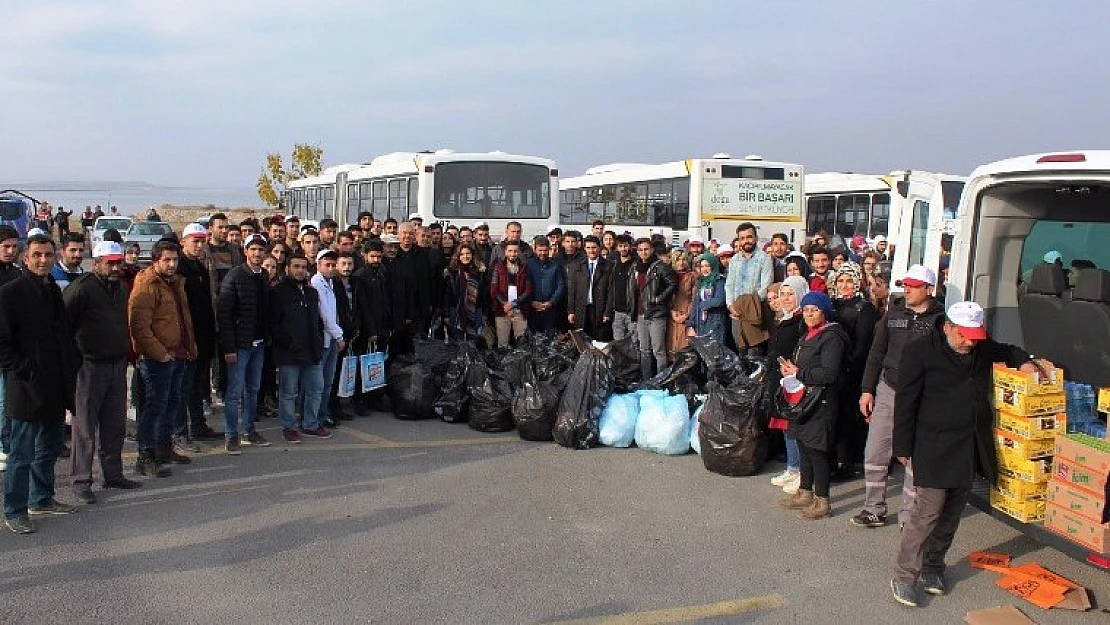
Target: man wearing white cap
[(879, 244), (943, 430), (96, 306), (898, 326), (416, 220), (695, 245)]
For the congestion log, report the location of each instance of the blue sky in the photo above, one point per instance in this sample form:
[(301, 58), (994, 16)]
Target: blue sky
[(196, 92)]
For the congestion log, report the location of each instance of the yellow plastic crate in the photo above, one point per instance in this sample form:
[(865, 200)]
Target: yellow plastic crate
[(1011, 465), (1024, 405), (1027, 448), (1039, 428), (1104, 400), (1051, 382), (1019, 489), (1030, 511)]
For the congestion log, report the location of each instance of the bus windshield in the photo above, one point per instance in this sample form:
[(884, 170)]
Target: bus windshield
[(12, 209), (492, 190)]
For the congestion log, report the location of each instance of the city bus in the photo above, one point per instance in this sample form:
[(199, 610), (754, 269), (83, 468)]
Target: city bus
[(708, 197), (15, 211), (459, 188), (849, 204), (1031, 248)]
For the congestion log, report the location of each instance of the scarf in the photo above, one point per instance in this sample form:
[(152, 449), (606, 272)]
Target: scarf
[(707, 282), (854, 272)]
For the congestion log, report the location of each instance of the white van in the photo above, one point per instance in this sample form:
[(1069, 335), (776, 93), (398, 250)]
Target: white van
[(1032, 246)]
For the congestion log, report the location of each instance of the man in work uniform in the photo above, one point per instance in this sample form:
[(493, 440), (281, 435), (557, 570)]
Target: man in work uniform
[(943, 430), (900, 325)]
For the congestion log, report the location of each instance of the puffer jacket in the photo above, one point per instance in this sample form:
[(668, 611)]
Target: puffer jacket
[(656, 297), (295, 323), (895, 329), (156, 322), (238, 307)]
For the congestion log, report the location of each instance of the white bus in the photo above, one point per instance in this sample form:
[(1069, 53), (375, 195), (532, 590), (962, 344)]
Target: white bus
[(444, 186), (849, 205), (708, 197)]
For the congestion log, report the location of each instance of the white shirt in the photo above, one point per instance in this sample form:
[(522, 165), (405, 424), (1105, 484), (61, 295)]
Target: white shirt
[(332, 331)]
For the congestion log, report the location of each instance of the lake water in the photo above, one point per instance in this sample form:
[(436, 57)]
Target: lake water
[(133, 197)]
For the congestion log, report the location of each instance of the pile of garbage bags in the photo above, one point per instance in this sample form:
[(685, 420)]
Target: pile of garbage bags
[(582, 395)]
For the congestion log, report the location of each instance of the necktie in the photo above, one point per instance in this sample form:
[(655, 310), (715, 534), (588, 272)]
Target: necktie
[(590, 287)]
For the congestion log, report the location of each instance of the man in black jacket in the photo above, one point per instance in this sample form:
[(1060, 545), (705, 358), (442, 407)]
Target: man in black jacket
[(191, 423), (900, 325), (943, 431), (411, 297), (375, 313), (241, 313), (651, 286), (588, 302), (348, 306), (96, 308), (622, 307), (40, 361), (296, 328), (9, 270)]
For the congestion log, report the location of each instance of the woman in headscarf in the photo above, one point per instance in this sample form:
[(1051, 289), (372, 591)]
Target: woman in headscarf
[(817, 364), (785, 334), (682, 263), (857, 315), (709, 314)]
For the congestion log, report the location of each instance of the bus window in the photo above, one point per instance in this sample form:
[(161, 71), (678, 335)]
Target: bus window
[(880, 214), (852, 214), (753, 173), (414, 184), (329, 201), (950, 192), (398, 199), (381, 201), (680, 218), (352, 209), (820, 213), (919, 230)]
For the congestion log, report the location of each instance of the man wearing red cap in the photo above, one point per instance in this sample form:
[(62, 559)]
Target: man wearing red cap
[(943, 431)]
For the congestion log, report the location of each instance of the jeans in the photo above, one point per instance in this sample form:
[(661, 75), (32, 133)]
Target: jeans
[(5, 423), (194, 390), (162, 381), (652, 335), (309, 380), (243, 378), (623, 326), (29, 478), (327, 365), (793, 454)]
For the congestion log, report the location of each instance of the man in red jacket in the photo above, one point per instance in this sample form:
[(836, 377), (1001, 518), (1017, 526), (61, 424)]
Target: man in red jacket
[(510, 289)]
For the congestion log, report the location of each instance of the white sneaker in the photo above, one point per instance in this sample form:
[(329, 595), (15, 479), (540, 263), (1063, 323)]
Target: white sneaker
[(793, 484), (781, 478), (3, 466)]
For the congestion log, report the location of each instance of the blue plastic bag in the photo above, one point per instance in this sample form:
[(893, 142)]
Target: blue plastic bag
[(664, 425), (695, 442), (372, 366), (618, 420)]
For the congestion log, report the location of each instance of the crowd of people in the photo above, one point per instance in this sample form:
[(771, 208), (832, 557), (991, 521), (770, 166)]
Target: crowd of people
[(256, 317)]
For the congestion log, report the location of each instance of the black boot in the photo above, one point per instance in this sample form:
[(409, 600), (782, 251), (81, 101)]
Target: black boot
[(147, 465), (166, 454)]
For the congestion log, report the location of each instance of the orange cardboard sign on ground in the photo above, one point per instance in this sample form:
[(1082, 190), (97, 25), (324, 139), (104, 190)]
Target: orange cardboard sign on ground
[(989, 561), (1033, 582), (1039, 592)]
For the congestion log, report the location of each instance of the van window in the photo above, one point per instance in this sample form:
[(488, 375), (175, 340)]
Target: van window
[(1080, 241), (919, 232)]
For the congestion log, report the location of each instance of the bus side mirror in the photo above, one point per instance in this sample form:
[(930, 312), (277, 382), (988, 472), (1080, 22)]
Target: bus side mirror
[(903, 187)]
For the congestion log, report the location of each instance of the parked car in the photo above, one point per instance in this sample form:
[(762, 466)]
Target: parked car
[(146, 234), (103, 224)]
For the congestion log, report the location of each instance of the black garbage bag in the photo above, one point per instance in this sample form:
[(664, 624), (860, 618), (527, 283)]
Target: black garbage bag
[(516, 366), (491, 401), (454, 398), (534, 406), (413, 388), (626, 365), (732, 436), (722, 365), (580, 406), (437, 355)]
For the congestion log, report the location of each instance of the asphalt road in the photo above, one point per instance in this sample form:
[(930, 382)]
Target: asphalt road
[(426, 522)]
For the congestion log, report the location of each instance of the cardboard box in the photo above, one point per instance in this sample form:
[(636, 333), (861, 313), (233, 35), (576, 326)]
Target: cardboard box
[(999, 615), (1011, 465), (1024, 405), (1078, 528), (1030, 449), (1047, 427), (1030, 383), (1075, 474), (1015, 488), (1104, 400), (1088, 451), (1075, 499), (1029, 511)]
